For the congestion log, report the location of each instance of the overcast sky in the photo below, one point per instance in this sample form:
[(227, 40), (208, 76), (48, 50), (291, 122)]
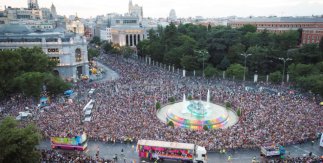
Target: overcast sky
[(183, 8)]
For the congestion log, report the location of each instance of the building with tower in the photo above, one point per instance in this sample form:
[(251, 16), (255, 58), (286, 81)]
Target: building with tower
[(172, 15), (33, 4), (135, 10), (53, 11)]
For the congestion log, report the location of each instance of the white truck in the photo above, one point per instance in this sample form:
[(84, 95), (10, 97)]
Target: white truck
[(162, 150)]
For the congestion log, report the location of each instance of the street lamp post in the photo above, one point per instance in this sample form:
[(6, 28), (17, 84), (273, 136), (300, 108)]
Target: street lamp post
[(202, 52), (245, 64), (284, 60)]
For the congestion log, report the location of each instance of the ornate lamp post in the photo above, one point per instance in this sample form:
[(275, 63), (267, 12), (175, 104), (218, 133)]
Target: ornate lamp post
[(284, 60)]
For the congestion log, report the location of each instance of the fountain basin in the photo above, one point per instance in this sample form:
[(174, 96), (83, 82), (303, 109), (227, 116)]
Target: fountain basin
[(209, 114)]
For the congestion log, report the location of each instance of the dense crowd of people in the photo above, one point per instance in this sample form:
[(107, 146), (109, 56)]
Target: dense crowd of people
[(125, 109), (301, 159), (53, 156)]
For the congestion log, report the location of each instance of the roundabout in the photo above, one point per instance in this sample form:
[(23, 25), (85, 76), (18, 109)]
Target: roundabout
[(196, 114)]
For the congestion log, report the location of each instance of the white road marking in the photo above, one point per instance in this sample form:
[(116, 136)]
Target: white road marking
[(304, 150)]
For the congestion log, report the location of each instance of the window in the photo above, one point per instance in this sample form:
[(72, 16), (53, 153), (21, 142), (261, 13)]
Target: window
[(55, 59), (52, 50), (78, 55)]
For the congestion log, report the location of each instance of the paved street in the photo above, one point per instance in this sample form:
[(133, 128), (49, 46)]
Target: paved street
[(108, 150)]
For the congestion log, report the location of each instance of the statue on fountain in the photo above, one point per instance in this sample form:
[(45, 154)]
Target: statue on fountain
[(197, 108)]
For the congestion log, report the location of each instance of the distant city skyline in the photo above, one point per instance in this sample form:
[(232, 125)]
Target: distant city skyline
[(183, 8)]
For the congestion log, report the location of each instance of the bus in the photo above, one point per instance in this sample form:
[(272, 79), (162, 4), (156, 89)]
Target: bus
[(162, 150), (78, 142)]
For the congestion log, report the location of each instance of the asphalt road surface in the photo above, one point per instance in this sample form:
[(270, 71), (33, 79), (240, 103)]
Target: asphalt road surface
[(108, 150)]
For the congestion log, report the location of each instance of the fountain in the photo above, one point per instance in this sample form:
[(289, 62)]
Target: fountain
[(195, 114), (208, 96)]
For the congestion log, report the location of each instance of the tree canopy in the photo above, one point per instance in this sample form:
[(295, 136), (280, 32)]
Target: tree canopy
[(18, 144), (26, 71), (177, 45)]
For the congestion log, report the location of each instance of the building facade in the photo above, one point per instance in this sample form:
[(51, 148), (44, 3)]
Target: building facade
[(127, 36), (75, 26), (311, 27), (106, 35), (126, 30), (312, 35), (69, 50)]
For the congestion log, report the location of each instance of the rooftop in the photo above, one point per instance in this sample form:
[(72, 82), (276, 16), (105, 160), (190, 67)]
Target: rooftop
[(14, 29), (280, 19)]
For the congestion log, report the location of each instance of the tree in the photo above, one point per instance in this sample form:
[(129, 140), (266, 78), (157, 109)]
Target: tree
[(96, 40), (10, 65), (248, 28), (287, 40), (24, 70), (158, 105), (30, 83), (234, 53), (190, 63), (173, 57), (170, 123), (210, 71), (206, 128), (275, 77), (126, 51), (239, 112), (227, 105), (225, 63), (18, 144), (107, 47), (170, 36), (171, 99), (54, 84), (143, 48), (298, 70), (34, 59), (236, 70), (92, 53)]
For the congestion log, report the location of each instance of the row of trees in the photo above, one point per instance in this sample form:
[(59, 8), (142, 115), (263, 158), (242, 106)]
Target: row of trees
[(181, 46), (27, 71)]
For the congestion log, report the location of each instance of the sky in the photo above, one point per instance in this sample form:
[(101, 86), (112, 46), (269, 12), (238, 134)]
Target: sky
[(183, 8)]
